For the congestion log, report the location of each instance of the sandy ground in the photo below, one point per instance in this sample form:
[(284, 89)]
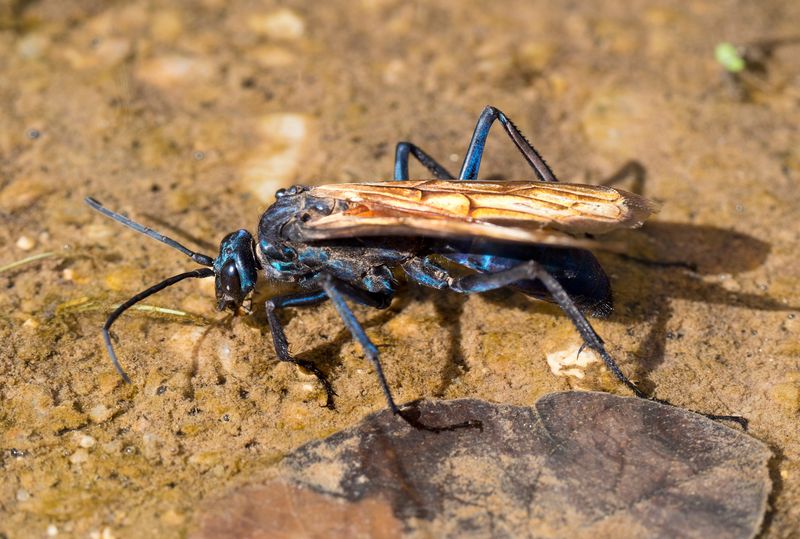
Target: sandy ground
[(189, 117)]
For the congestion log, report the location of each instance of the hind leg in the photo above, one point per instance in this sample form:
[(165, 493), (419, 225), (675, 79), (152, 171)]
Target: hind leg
[(483, 282), (429, 274)]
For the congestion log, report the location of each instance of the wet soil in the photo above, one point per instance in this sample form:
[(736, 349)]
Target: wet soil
[(189, 117)]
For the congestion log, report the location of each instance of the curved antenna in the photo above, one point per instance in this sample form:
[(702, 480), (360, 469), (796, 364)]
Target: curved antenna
[(198, 274), (197, 257)]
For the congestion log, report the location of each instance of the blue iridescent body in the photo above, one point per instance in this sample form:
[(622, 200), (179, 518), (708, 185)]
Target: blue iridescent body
[(368, 268), (371, 264)]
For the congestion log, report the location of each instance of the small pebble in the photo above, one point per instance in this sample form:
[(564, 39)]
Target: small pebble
[(295, 416), (79, 457), (86, 441), (150, 444), (271, 56), (23, 495), (166, 71), (25, 243), (280, 24), (30, 323), (32, 46), (227, 360), (105, 533), (394, 72), (535, 56), (52, 530), (729, 283), (567, 362), (100, 413)]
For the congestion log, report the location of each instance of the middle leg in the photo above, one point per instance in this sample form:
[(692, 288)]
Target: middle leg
[(336, 290)]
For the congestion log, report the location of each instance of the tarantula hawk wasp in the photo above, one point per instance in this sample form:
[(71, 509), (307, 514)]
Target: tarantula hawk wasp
[(350, 242)]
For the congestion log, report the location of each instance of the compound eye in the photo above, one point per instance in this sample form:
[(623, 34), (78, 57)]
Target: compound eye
[(229, 279)]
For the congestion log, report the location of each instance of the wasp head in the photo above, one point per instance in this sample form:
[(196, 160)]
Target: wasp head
[(235, 270)]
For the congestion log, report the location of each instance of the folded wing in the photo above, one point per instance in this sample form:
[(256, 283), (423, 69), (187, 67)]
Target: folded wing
[(520, 211)]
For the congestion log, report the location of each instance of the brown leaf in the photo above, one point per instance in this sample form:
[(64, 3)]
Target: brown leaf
[(578, 464)]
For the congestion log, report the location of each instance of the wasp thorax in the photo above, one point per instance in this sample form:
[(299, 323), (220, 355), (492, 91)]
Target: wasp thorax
[(235, 270)]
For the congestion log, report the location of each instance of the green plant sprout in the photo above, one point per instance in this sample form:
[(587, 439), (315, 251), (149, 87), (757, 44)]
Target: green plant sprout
[(729, 57)]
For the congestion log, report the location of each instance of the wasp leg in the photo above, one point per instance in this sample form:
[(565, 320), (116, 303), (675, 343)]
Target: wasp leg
[(483, 282), (370, 350), (472, 161), (279, 336), (378, 300), (336, 290), (428, 273), (401, 162)]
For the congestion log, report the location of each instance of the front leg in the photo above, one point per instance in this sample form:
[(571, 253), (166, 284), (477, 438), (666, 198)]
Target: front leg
[(279, 336)]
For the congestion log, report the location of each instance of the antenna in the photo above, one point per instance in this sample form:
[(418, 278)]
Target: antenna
[(199, 273), (201, 259)]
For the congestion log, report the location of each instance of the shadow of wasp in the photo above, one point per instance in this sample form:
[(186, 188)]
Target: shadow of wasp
[(352, 243)]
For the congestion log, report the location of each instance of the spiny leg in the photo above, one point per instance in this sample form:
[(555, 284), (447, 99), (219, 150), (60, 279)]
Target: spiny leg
[(332, 289), (279, 336), (472, 161), (483, 282), (428, 273), (401, 162)]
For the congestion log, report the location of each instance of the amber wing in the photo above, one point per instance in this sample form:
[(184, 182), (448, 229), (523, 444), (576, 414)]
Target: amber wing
[(521, 211)]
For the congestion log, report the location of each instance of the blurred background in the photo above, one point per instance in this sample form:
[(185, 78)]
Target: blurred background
[(188, 115)]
